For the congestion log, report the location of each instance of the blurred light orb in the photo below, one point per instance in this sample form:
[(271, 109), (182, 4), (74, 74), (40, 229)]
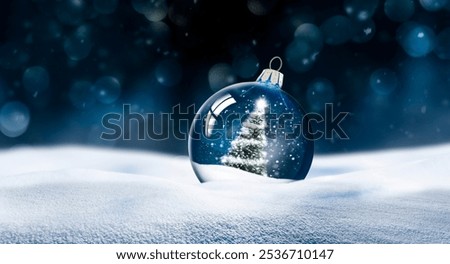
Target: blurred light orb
[(310, 33), (260, 7), (419, 77), (295, 16), (168, 72), (12, 56), (364, 31), (159, 28), (179, 12), (220, 75), (107, 89), (54, 29), (78, 45), (360, 10), (300, 55), (416, 40), (3, 89), (246, 66), (14, 119), (442, 49), (159, 31), (433, 5), (153, 10), (320, 91), (70, 12), (82, 94), (383, 81), (105, 6), (337, 30), (399, 10), (35, 80)]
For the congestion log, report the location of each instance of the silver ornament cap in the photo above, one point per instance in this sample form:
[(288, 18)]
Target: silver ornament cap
[(271, 76)]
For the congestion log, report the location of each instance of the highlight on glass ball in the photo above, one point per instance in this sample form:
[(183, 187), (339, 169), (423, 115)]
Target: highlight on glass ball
[(251, 131)]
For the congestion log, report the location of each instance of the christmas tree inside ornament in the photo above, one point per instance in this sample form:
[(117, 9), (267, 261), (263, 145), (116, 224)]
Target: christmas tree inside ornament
[(251, 130)]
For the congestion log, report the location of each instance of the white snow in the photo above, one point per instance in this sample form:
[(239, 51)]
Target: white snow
[(71, 194), (226, 173)]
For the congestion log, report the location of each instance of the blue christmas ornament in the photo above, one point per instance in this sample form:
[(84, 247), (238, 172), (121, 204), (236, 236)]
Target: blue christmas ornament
[(251, 130)]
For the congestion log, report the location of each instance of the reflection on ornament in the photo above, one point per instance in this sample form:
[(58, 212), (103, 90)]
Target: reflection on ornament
[(251, 131), (215, 111)]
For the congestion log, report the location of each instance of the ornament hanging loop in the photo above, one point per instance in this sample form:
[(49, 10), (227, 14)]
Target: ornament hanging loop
[(271, 76), (272, 60)]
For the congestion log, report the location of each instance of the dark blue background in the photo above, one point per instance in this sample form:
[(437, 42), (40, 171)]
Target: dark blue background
[(161, 64)]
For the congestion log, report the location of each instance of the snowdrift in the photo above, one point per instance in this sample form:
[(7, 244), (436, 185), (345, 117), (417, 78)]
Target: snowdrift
[(71, 194)]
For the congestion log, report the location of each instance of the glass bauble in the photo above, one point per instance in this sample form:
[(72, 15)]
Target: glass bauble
[(249, 131)]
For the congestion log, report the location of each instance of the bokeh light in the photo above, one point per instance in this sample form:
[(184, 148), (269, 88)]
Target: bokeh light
[(399, 10), (420, 77), (442, 49), (168, 72), (337, 30), (154, 10), (260, 7), (433, 5), (78, 45), (220, 75), (320, 91), (360, 10), (180, 12), (107, 89), (300, 55), (159, 33), (14, 119), (416, 40), (383, 81), (71, 12), (310, 33), (105, 6), (12, 56), (79, 59), (82, 94), (364, 31), (35, 80), (246, 66)]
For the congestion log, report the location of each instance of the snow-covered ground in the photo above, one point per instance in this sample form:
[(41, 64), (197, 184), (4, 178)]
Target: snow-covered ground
[(75, 194)]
